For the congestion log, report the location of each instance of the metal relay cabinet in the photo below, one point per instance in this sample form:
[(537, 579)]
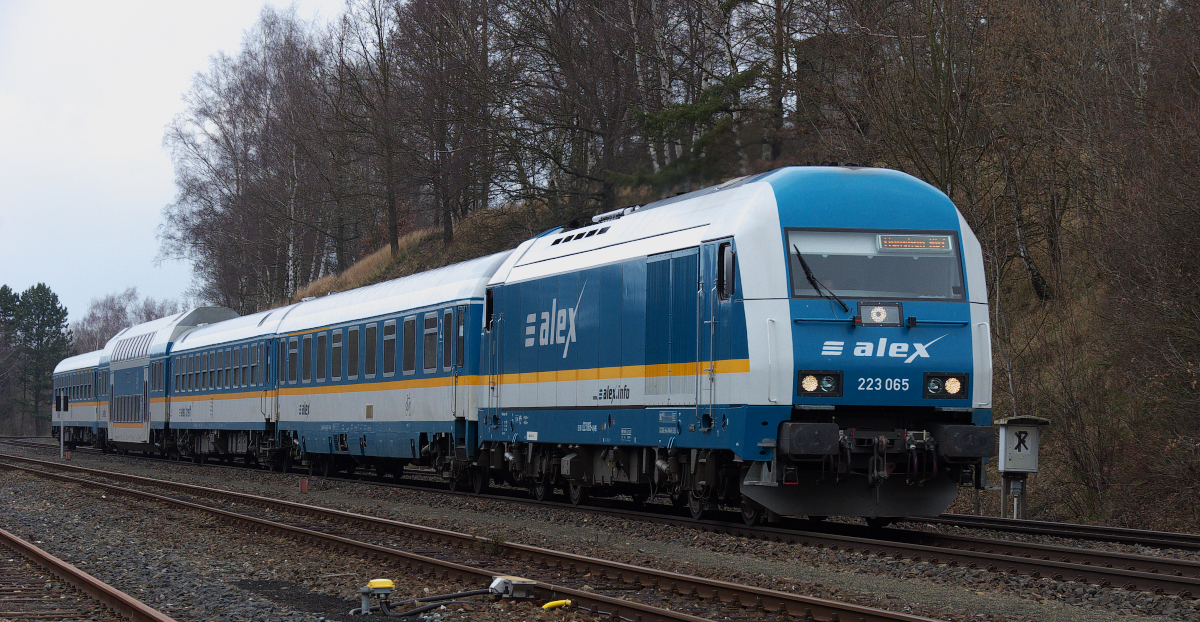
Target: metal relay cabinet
[(1019, 437)]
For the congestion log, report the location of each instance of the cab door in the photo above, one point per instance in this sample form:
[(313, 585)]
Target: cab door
[(717, 269)]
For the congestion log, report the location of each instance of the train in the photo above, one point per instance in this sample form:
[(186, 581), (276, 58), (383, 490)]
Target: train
[(809, 341)]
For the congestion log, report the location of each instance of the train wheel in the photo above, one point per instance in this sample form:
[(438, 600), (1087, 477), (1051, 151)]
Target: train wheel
[(540, 490), (752, 513), (479, 480), (696, 505), (577, 493)]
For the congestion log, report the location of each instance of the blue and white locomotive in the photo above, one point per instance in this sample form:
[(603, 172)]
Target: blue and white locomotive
[(810, 341)]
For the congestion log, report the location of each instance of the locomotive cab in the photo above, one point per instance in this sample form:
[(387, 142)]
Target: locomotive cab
[(890, 340)]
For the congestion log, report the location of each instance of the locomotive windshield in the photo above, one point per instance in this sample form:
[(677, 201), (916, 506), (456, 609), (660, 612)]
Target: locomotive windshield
[(908, 265)]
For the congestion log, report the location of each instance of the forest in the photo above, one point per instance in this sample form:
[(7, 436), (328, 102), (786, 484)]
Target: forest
[(1065, 132)]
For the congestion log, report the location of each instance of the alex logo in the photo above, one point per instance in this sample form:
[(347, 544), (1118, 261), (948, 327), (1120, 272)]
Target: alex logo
[(895, 350), (557, 326)]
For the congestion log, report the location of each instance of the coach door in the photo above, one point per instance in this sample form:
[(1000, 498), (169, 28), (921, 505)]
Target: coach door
[(493, 326)]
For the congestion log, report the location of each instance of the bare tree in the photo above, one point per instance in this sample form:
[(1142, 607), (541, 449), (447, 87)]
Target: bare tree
[(110, 314)]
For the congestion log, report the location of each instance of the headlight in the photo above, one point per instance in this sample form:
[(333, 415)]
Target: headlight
[(945, 386), (819, 384)]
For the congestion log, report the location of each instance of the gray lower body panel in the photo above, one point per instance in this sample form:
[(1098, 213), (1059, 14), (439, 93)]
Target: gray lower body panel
[(853, 497)]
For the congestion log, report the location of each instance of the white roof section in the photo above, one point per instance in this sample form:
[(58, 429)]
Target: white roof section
[(657, 228), (242, 328), (154, 337), (79, 361), (458, 282)]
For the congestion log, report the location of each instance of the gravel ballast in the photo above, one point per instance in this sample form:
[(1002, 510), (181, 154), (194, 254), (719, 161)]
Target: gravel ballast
[(195, 567)]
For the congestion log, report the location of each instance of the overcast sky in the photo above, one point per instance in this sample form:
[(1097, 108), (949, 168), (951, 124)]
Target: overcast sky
[(86, 90)]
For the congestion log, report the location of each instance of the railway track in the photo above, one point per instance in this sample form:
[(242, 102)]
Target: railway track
[(1122, 535), (23, 593), (754, 602), (1104, 568)]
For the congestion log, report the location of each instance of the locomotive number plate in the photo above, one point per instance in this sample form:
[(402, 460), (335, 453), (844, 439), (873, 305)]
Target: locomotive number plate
[(883, 384)]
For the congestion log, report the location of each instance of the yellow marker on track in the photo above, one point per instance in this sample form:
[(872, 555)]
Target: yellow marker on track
[(555, 604)]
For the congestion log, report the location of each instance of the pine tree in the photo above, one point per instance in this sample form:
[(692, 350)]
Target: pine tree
[(10, 352), (44, 340)]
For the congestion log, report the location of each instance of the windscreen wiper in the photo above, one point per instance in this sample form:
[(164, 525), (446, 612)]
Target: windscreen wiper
[(815, 283)]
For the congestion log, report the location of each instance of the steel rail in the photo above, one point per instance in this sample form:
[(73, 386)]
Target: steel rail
[(741, 595), (119, 602), (1123, 535)]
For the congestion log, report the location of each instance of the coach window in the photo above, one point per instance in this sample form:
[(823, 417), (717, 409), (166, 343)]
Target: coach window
[(322, 344), (352, 354), (371, 350), (293, 349), (429, 355), (461, 339), (176, 374), (308, 358), (226, 364), (220, 368), (237, 368), (245, 366), (253, 363), (447, 350), (282, 362), (336, 359), (410, 345), (389, 348)]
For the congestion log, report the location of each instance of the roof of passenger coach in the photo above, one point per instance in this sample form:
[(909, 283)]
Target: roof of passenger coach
[(255, 325), (152, 338), (79, 361), (453, 283)]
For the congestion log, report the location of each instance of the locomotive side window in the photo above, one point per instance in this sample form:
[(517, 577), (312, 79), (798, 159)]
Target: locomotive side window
[(337, 354), (352, 354), (429, 356), (322, 344), (389, 348), (410, 345), (372, 347), (487, 309), (447, 351), (725, 271)]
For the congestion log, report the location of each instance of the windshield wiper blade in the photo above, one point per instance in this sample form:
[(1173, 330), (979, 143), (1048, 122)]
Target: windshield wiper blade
[(815, 283)]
